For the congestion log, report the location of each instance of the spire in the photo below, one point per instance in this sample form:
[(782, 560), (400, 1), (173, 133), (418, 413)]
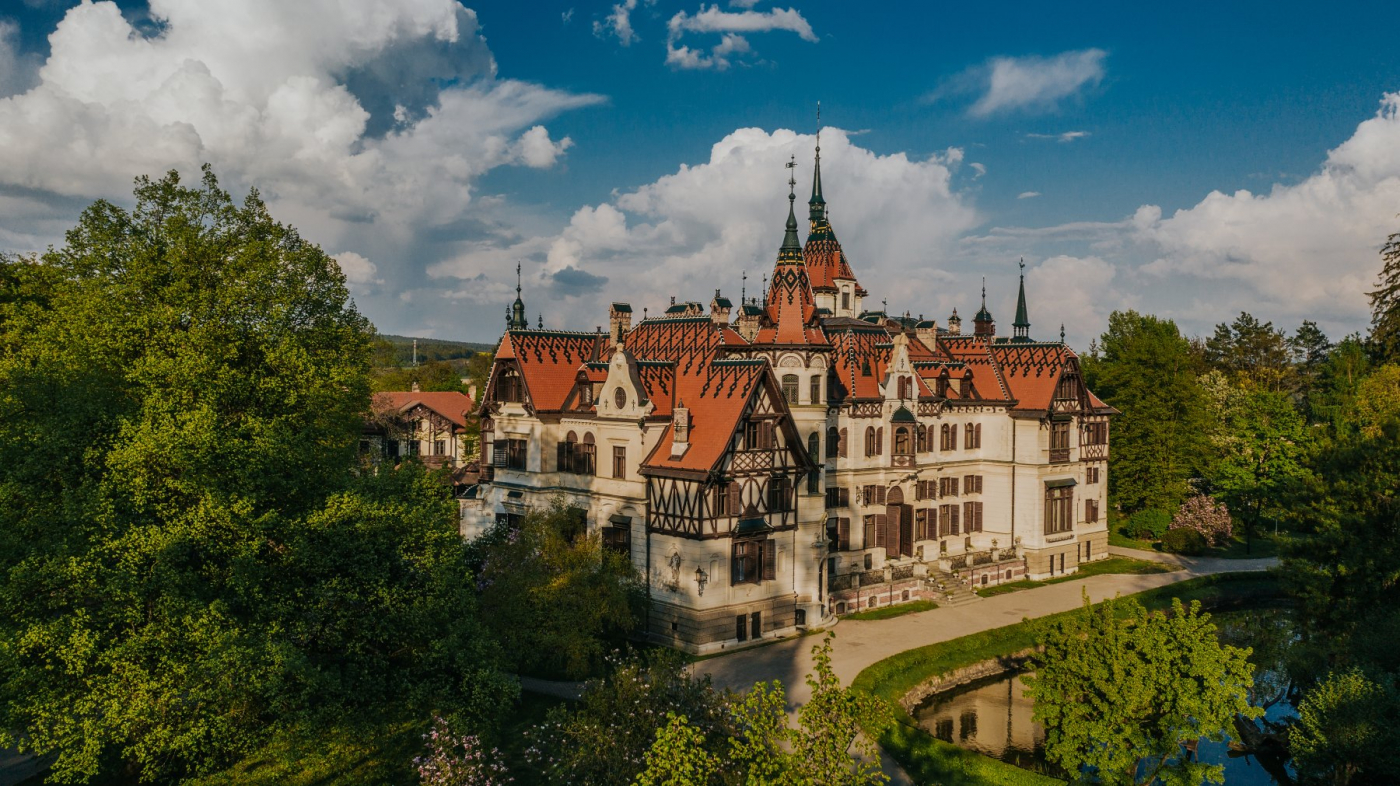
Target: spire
[(1022, 324), (792, 248), (982, 324), (518, 320), (817, 204)]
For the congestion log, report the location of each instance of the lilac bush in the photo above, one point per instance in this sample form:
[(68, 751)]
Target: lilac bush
[(454, 760), (1210, 518)]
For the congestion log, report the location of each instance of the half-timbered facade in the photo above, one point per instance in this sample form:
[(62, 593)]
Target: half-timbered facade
[(771, 466)]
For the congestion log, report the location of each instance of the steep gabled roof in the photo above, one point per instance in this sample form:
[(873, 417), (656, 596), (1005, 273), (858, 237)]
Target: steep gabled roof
[(452, 405), (549, 362), (1032, 370), (716, 394), (860, 356)]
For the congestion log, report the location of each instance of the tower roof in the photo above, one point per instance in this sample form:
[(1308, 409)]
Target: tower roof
[(791, 251), (816, 206), (1023, 320), (518, 320)]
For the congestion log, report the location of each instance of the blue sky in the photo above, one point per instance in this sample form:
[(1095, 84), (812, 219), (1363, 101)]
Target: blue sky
[(634, 150)]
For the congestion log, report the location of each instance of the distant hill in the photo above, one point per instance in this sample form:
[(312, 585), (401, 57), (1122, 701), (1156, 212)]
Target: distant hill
[(434, 348)]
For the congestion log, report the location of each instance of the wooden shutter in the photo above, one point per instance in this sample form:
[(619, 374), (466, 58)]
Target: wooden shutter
[(953, 528), (843, 535), (498, 454), (881, 530), (892, 526), (841, 444), (735, 498), (770, 560), (735, 557), (977, 434), (880, 495), (869, 534), (880, 441)]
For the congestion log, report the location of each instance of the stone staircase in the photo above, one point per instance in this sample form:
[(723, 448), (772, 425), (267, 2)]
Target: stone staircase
[(954, 592)]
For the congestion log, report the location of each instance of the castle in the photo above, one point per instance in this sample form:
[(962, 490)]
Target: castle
[(771, 466)]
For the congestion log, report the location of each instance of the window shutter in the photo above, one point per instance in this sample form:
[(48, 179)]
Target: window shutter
[(880, 495), (869, 534), (770, 560), (735, 498), (843, 537), (880, 530), (977, 434), (979, 517), (498, 456), (953, 528), (735, 571), (880, 441), (562, 456), (841, 444)]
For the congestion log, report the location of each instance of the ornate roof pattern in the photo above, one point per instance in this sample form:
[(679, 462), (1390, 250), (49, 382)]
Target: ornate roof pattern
[(549, 361)]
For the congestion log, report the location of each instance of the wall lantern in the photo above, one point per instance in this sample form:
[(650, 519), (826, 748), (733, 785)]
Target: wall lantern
[(701, 577)]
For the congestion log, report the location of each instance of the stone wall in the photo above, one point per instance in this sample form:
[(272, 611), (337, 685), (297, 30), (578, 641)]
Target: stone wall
[(711, 630)]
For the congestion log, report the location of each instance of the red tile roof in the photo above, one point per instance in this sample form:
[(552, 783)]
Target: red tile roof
[(454, 406), (549, 360), (716, 395)]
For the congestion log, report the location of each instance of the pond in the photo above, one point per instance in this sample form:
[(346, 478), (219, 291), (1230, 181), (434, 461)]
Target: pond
[(994, 717)]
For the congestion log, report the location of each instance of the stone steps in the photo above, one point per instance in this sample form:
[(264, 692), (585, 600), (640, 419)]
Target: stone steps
[(955, 592)]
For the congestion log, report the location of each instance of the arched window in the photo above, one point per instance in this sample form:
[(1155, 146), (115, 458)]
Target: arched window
[(567, 452), (833, 440), (814, 445), (945, 442), (815, 388), (921, 439), (790, 388), (902, 444), (586, 459), (869, 440)]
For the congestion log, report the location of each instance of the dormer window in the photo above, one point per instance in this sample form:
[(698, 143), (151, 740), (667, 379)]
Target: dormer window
[(509, 387)]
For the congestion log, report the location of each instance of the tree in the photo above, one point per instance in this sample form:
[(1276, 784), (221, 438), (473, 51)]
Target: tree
[(433, 375), (831, 723), (458, 760), (1385, 303), (189, 559), (1310, 349), (1347, 726), (1262, 450), (678, 757), (1145, 372), (1206, 516), (1378, 400), (1121, 691), (604, 740), (1254, 353), (552, 594)]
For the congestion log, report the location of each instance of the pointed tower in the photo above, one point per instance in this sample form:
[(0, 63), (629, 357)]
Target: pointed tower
[(518, 320), (982, 324), (790, 312), (1022, 325), (833, 284)]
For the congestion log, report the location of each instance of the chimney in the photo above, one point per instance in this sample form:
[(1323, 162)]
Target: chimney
[(415, 386), (927, 332), (719, 309), (619, 322), (680, 436), (747, 323)]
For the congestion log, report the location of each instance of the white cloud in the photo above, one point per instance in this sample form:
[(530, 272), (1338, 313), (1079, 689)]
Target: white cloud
[(1304, 250), (357, 269), (1028, 195), (17, 71), (1068, 136), (1078, 292), (618, 23), (702, 226), (1006, 84), (730, 25)]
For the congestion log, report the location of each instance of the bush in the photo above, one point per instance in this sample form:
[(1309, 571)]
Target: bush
[(1184, 541), (1206, 516), (1150, 524)]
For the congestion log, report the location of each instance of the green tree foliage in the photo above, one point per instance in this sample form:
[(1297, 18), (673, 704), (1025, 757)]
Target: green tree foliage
[(1348, 726), (1262, 453), (552, 594), (430, 376), (1385, 303), (678, 757), (1310, 349), (1145, 372), (1333, 400), (1378, 400), (604, 740), (189, 560), (1253, 353), (1120, 690)]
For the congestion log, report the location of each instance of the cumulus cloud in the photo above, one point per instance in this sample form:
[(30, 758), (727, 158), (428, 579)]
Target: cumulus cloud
[(1028, 195), (17, 71), (1068, 136), (357, 269), (1303, 249), (618, 23), (1030, 83), (731, 25), (704, 225)]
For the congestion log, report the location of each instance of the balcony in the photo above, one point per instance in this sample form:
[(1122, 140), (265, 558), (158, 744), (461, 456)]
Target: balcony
[(1059, 455)]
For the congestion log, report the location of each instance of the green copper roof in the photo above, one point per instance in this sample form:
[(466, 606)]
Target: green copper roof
[(1023, 320), (817, 204), (791, 250)]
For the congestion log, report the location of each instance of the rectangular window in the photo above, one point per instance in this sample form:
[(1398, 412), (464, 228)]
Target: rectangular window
[(751, 435), (868, 539), (756, 625), (515, 453), (790, 389), (746, 562), (1059, 509), (972, 516), (838, 498), (1096, 433), (741, 627), (843, 535), (1091, 475), (618, 539), (779, 495), (1091, 510), (619, 461), (439, 447), (815, 389), (1059, 435)]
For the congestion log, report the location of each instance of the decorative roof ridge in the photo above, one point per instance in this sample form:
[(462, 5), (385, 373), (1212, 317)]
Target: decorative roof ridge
[(533, 332), (654, 362), (659, 320), (738, 362)]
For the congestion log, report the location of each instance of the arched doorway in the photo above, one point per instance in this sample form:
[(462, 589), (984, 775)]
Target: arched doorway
[(899, 518)]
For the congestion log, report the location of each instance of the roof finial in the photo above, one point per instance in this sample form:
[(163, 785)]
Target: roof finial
[(792, 248), (743, 287), (984, 293), (541, 322), (817, 204), (1062, 333), (518, 320)]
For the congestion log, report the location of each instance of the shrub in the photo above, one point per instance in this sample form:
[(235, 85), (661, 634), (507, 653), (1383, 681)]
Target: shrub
[(454, 760), (1149, 524), (1206, 516), (1184, 541)]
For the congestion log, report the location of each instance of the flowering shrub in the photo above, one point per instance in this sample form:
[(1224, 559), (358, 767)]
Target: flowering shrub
[(457, 761), (1206, 516)]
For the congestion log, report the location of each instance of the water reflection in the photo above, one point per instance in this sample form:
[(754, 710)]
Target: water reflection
[(994, 717)]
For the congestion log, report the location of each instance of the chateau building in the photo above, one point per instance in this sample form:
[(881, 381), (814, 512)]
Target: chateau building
[(771, 466)]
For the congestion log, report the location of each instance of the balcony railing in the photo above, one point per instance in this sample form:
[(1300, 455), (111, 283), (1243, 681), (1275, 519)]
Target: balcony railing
[(1059, 455)]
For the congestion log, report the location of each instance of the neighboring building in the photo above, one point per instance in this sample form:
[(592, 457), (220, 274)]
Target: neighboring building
[(803, 459), (434, 426)]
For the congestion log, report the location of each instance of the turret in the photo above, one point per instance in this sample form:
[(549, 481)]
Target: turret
[(982, 324), (518, 320), (1022, 325), (720, 308), (955, 324)]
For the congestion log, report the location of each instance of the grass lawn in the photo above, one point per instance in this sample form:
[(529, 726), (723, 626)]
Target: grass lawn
[(1117, 565), (1265, 545), (929, 760), (895, 610)]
